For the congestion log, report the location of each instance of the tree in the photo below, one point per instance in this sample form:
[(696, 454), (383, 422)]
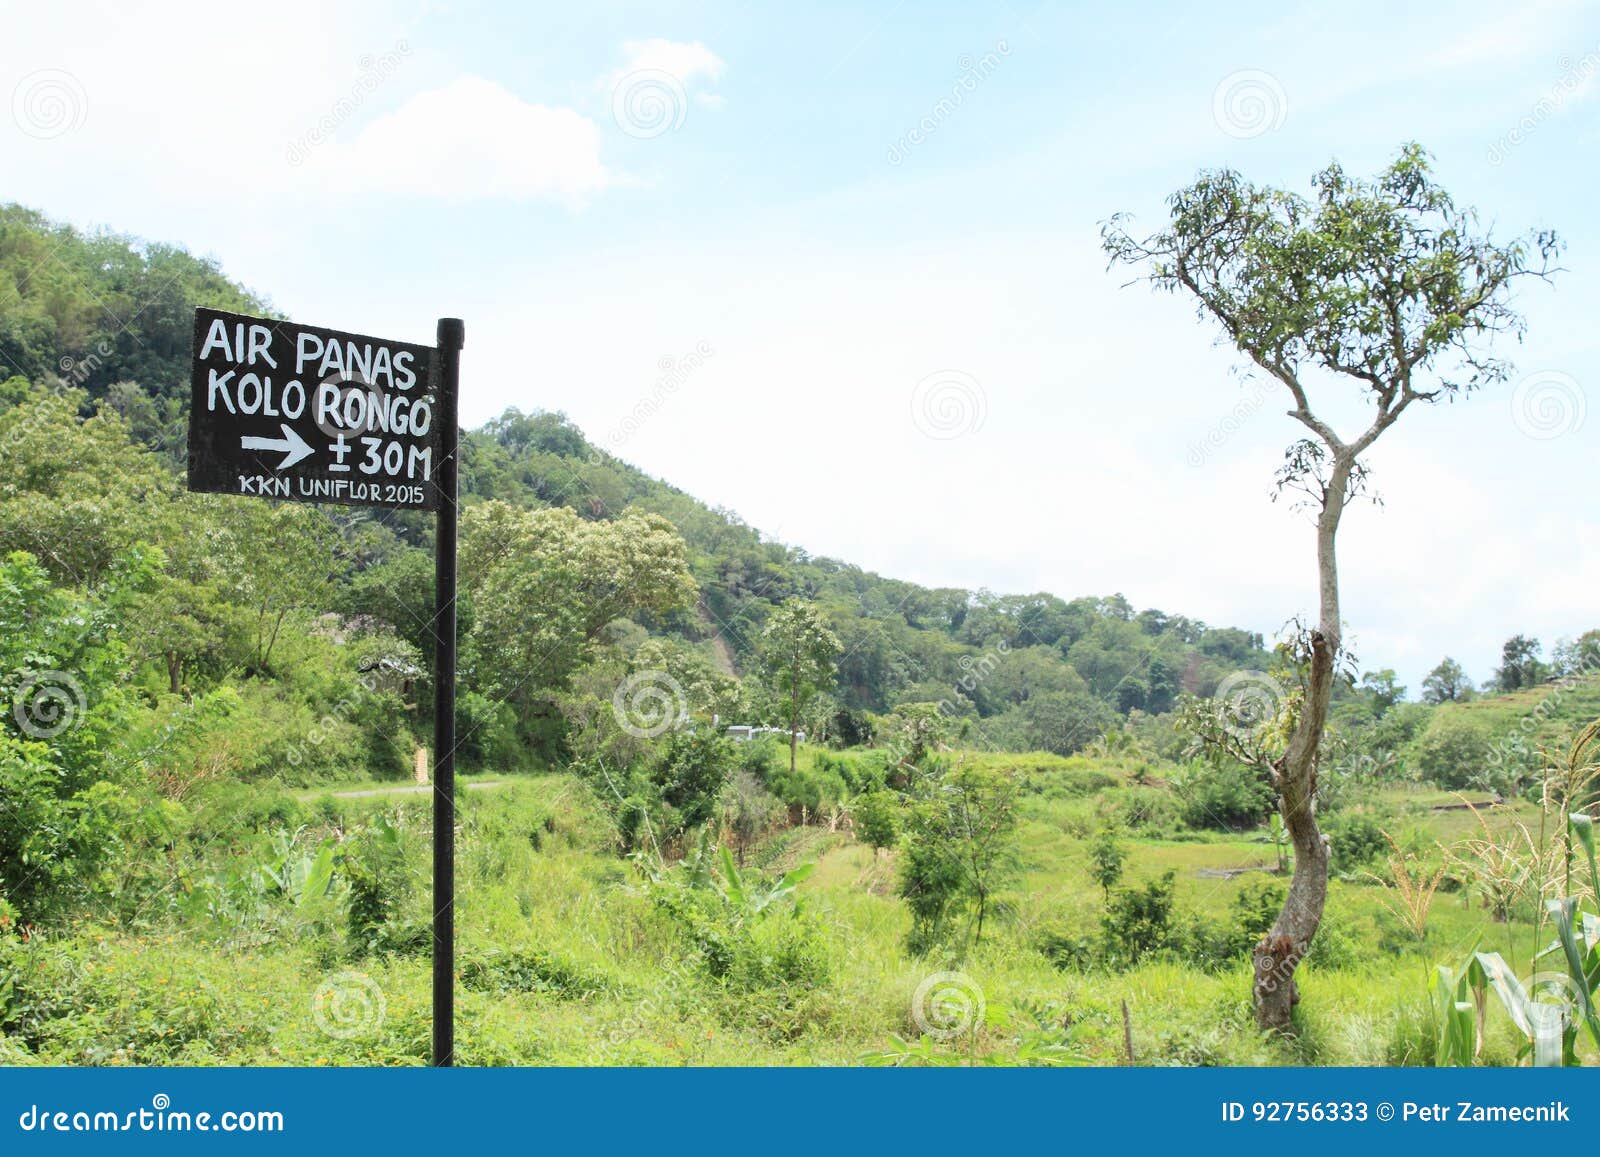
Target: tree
[(1106, 856), (1374, 283), (1384, 687), (799, 652), (878, 819), (1453, 750), (1446, 683), (282, 560), (541, 585), (1520, 665), (1575, 657), (959, 849)]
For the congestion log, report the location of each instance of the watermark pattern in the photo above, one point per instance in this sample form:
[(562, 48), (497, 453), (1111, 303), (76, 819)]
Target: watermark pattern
[(1514, 746), (973, 73), (368, 682), (1548, 404), (77, 370), (49, 103), (1249, 103), (374, 71), (674, 373), (160, 1117), (648, 103), (649, 703), (1575, 77), (675, 975), (1250, 702), (1555, 1003), (47, 703), (974, 671), (949, 404), (1228, 425), (948, 1005), (348, 1005)]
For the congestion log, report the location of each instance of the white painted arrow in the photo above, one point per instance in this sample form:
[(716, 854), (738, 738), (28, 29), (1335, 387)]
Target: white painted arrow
[(293, 446)]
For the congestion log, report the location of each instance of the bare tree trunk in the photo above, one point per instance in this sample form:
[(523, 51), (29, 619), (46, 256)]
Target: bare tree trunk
[(1295, 777)]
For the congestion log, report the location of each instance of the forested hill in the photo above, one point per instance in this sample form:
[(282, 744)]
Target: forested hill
[(111, 317)]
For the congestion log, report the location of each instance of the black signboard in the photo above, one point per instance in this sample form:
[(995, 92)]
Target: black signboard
[(295, 412)]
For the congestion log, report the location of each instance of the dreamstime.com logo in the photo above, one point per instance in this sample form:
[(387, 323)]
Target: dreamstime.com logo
[(948, 404), (348, 1005), (160, 1117), (948, 1005), (649, 102), (1250, 702), (49, 103), (1548, 404), (649, 703), (47, 703), (1249, 103)]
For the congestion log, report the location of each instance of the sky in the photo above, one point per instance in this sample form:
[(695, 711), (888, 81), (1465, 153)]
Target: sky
[(837, 267)]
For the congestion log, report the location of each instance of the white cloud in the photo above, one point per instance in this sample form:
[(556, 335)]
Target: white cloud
[(650, 92), (684, 61), (473, 140)]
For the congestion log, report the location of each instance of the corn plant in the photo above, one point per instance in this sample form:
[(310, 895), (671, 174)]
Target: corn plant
[(1410, 888), (1554, 1007), (1508, 868)]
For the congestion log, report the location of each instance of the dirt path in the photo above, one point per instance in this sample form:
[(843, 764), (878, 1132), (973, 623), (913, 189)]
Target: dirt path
[(413, 789)]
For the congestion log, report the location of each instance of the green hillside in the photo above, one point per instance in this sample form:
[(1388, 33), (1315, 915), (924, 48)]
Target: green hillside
[(1002, 826)]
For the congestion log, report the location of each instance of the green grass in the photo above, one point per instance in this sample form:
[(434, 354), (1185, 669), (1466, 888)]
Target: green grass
[(565, 960)]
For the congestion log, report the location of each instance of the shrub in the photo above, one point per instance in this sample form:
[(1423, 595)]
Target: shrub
[(532, 970), (1453, 750), (1228, 795), (1355, 840), (1138, 921), (1145, 811), (877, 818)]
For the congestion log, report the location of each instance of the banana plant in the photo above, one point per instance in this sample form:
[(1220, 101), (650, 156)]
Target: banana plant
[(755, 898)]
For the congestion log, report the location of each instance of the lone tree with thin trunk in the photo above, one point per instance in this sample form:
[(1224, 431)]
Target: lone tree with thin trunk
[(1380, 284), (800, 654)]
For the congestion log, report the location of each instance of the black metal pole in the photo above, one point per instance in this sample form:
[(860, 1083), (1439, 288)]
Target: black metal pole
[(451, 337)]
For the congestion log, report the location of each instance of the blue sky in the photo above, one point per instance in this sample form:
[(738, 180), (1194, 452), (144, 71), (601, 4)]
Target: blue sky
[(903, 350)]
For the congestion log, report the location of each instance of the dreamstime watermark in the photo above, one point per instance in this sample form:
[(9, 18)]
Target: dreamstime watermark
[(368, 682), (1554, 1005), (348, 1005), (160, 1117), (49, 103), (374, 71), (77, 370), (975, 670), (48, 703), (648, 103), (1250, 700), (674, 373), (675, 977), (1249, 103), (973, 73), (1515, 745), (1228, 425), (1575, 77), (948, 1006), (1548, 404), (648, 704), (948, 404), (1273, 969)]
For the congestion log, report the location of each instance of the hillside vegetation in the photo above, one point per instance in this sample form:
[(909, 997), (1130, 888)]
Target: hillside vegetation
[(1002, 824)]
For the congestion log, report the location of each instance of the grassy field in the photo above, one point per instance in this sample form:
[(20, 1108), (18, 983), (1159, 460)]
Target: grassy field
[(568, 955)]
